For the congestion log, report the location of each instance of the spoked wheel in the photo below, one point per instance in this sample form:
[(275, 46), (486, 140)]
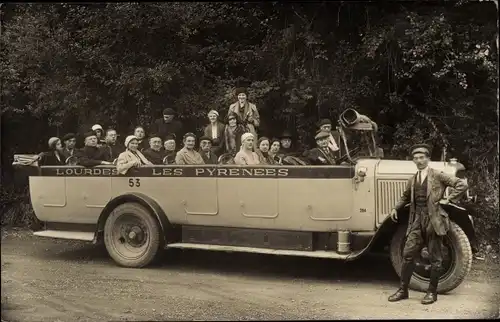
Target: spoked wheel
[(132, 235), (457, 260)]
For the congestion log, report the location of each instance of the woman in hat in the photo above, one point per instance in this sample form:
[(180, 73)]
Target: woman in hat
[(246, 156), (131, 157), (99, 133), (263, 151), (170, 152), (215, 131), (140, 134), (188, 155), (232, 133), (248, 113), (55, 156)]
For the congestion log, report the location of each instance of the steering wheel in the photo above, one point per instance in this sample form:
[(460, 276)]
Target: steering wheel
[(352, 153)]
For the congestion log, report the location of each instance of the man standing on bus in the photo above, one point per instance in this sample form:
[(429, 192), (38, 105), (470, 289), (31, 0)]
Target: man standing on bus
[(428, 222)]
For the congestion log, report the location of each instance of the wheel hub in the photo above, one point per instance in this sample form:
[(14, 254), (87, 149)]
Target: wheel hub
[(133, 235)]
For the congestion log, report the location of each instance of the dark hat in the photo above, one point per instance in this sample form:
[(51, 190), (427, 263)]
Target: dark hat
[(286, 135), (168, 111), (236, 116), (421, 148), (69, 136), (205, 138), (170, 137), (88, 134), (274, 140), (324, 122), (240, 90), (154, 135), (321, 135)]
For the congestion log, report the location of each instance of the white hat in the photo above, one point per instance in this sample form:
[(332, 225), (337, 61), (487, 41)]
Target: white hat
[(96, 127), (130, 138), (246, 136), (53, 141), (213, 112)]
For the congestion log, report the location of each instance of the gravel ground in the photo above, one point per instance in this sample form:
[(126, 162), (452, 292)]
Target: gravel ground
[(56, 280)]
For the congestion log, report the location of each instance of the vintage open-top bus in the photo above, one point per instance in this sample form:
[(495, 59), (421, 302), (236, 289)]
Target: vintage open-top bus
[(338, 211)]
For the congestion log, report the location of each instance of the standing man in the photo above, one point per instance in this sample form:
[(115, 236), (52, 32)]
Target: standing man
[(428, 222), (167, 125), (113, 149)]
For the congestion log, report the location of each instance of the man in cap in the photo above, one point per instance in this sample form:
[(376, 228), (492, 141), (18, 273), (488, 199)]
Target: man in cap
[(325, 125), (169, 150), (90, 155), (69, 144), (206, 150), (321, 154), (167, 125), (428, 222), (113, 149), (154, 153), (99, 131)]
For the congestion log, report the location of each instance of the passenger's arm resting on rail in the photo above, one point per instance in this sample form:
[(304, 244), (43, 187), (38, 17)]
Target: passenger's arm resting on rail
[(459, 186), (87, 162), (405, 198)]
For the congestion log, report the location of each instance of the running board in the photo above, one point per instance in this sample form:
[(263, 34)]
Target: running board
[(74, 235), (284, 252)]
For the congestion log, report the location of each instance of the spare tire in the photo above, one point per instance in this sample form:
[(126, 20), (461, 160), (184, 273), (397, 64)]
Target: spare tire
[(457, 260)]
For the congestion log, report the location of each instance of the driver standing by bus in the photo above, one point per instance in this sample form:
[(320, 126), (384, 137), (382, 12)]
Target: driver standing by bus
[(428, 222)]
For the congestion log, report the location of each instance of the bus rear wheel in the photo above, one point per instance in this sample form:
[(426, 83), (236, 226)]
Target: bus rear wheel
[(132, 235)]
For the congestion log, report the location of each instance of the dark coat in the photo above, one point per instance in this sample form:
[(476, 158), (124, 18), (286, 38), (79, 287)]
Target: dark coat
[(143, 145), (437, 182), (90, 156), (113, 150), (155, 157), (209, 160), (313, 156), (162, 129), (50, 158), (170, 156)]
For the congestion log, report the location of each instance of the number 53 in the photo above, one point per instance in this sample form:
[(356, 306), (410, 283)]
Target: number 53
[(134, 183)]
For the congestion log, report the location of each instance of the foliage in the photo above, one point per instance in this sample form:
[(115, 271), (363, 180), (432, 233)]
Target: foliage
[(423, 73)]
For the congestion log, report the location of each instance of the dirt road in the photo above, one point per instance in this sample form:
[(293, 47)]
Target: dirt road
[(53, 280)]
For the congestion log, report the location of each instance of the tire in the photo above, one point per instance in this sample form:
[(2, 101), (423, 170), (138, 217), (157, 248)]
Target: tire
[(454, 273), (126, 249)]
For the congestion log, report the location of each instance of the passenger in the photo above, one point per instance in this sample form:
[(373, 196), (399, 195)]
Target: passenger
[(69, 144), (248, 113), (113, 149), (169, 151), (155, 154), (215, 131), (209, 157), (286, 144), (246, 156), (188, 155), (325, 125), (232, 133), (167, 125), (99, 134), (131, 157), (55, 156), (140, 134), (274, 150), (321, 155), (90, 155), (263, 151)]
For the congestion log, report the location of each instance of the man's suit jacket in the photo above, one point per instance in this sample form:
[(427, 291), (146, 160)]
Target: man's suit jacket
[(437, 182)]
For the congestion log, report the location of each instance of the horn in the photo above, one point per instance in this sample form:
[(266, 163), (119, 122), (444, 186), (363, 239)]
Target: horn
[(351, 117)]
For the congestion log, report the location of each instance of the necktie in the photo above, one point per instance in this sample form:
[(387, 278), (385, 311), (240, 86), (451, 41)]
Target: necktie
[(420, 177)]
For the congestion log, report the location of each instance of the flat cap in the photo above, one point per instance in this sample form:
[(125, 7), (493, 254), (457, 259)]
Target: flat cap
[(168, 111), (240, 90), (89, 134), (69, 136), (169, 137), (154, 136), (324, 122), (421, 148), (205, 138), (321, 135)]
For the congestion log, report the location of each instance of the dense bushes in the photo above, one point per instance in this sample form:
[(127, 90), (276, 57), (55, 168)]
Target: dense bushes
[(423, 73)]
